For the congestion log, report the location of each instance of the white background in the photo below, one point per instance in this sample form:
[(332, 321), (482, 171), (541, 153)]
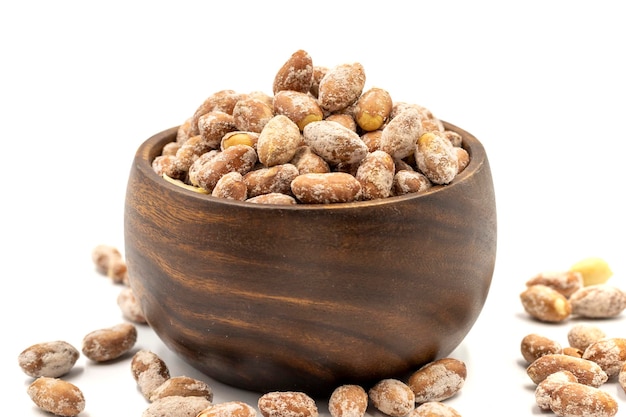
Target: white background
[(83, 84)]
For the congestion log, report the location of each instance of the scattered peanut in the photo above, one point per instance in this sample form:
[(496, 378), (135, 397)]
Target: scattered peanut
[(130, 307), (176, 406), (392, 397), (109, 262), (609, 353), (287, 404), (566, 282), (50, 359), (57, 396), (438, 380), (182, 386), (229, 409), (544, 390), (581, 335), (149, 371), (534, 346), (348, 401), (598, 301), (107, 344), (434, 409), (579, 400), (586, 372), (545, 303), (594, 270)]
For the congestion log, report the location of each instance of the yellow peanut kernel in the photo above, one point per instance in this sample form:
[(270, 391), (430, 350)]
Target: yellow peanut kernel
[(370, 122), (308, 119), (594, 270), (183, 185), (241, 138)]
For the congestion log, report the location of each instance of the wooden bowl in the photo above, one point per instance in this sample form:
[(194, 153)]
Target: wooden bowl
[(308, 297)]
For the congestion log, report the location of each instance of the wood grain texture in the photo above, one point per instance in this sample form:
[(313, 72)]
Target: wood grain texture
[(309, 297)]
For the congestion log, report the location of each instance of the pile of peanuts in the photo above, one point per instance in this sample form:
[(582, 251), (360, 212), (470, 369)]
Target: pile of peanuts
[(569, 379), (319, 138), (421, 395)]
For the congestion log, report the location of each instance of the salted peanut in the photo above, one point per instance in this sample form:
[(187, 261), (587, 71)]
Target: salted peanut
[(326, 188), (598, 301), (190, 151), (438, 380), (130, 307), (149, 371), (273, 198), (406, 182), (229, 409), (222, 101), (534, 346), (167, 165), (341, 86), (307, 161), (278, 141), (213, 126), (572, 351), (372, 140), (183, 386), (195, 167), (581, 335), (231, 186), (171, 148), (301, 108), (236, 158), (176, 406), (609, 353), (545, 304), (621, 377), (432, 124), (295, 74), (400, 106), (334, 142), (587, 372), (239, 138), (400, 135), (50, 359), (110, 343), (565, 282), (434, 409), (455, 138), (275, 179), (579, 400), (463, 158), (392, 397), (544, 390), (373, 108), (594, 270), (318, 73), (56, 396), (343, 119), (436, 158), (109, 261), (348, 401), (252, 114), (287, 404), (376, 173), (182, 133)]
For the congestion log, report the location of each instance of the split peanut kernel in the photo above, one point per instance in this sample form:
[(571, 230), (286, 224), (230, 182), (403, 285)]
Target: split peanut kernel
[(594, 270)]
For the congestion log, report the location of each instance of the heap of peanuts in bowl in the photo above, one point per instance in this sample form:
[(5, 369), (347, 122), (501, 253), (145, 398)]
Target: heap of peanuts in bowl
[(319, 139)]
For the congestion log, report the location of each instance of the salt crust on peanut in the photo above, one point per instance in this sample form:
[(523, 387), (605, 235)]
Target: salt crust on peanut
[(565, 282), (578, 400), (436, 158), (183, 386), (348, 401), (434, 409), (581, 335), (544, 390), (438, 380), (334, 142), (609, 353), (176, 406), (130, 307), (57, 396), (586, 372), (400, 135), (598, 301), (149, 371), (545, 303), (229, 409), (534, 346), (287, 404), (278, 141), (341, 86), (392, 397), (110, 343), (51, 359)]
